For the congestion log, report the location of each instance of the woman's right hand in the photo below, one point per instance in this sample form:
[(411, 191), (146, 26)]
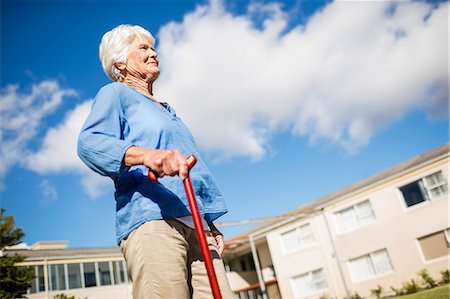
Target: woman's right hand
[(160, 162)]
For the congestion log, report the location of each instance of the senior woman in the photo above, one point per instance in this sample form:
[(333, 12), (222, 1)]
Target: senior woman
[(128, 133)]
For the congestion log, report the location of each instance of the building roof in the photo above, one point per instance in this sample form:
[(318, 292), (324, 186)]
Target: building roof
[(315, 205), (71, 253)]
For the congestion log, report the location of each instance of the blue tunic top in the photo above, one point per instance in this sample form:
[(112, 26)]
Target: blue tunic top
[(122, 117)]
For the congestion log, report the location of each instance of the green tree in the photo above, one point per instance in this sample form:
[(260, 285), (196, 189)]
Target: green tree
[(14, 280)]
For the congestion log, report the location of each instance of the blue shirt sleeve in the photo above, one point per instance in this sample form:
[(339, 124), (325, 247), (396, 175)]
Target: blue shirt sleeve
[(101, 144)]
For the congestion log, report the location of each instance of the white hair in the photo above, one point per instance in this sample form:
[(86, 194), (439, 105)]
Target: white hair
[(114, 47)]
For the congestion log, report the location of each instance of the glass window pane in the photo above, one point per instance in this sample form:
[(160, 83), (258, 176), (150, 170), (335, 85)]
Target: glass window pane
[(290, 240), (434, 179), (361, 268), (57, 279), (301, 285), (34, 284), (438, 191), (365, 213), (105, 275), (40, 279), (381, 261), (308, 283), (74, 273), (347, 220), (297, 238), (89, 275), (305, 235), (435, 184), (318, 280), (119, 273), (412, 193)]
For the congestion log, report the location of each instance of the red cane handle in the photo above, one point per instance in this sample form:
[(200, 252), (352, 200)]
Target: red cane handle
[(191, 160)]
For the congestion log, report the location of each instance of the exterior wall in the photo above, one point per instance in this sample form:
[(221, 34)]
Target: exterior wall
[(395, 228), (110, 292), (315, 256)]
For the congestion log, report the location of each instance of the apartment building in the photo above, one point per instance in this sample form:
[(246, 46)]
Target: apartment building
[(378, 232)]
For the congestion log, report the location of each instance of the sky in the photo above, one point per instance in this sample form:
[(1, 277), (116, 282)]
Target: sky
[(288, 100)]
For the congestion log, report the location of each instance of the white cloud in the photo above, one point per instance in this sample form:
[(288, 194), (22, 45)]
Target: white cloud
[(352, 70), (48, 190), (21, 116), (58, 152)]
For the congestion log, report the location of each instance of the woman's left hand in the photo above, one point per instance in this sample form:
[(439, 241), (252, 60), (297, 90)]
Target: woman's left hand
[(219, 238)]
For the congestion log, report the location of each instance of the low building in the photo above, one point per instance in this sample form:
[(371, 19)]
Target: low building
[(83, 273), (378, 232)]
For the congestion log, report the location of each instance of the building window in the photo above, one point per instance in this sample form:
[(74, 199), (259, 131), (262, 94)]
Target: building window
[(38, 283), (74, 275), (309, 283), (354, 217), (297, 238), (427, 188), (435, 245), (57, 279), (119, 272), (370, 265), (79, 275), (104, 273), (89, 275)]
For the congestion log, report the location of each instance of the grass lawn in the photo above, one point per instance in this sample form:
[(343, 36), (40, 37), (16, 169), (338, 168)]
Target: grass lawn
[(441, 292)]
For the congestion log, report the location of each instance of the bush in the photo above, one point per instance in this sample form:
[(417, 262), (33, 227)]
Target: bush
[(377, 292), (398, 292), (64, 296), (356, 296), (445, 276), (428, 281), (411, 287)]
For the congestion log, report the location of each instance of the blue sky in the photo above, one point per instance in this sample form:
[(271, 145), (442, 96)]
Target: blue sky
[(289, 102)]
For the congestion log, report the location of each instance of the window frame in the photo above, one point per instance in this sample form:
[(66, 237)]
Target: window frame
[(309, 273), (339, 226), (425, 189), (376, 275), (301, 247)]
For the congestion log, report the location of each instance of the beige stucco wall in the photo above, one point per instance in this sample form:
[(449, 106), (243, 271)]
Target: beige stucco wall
[(265, 259), (107, 292), (395, 228), (313, 257)]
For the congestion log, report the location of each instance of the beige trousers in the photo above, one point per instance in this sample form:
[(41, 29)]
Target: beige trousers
[(165, 261)]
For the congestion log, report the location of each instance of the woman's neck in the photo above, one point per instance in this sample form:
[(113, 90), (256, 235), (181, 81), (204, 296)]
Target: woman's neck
[(146, 88)]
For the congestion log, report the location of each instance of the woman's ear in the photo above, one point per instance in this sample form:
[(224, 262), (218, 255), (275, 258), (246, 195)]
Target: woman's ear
[(121, 66)]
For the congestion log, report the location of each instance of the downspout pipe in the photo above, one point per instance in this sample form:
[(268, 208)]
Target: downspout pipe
[(333, 245), (261, 282)]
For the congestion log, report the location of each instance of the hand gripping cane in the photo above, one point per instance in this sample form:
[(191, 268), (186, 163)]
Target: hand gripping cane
[(191, 160)]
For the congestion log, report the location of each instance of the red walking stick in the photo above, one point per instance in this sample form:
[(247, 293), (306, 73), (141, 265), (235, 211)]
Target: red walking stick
[(191, 160)]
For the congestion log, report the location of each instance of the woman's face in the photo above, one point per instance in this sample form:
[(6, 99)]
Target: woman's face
[(142, 61)]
